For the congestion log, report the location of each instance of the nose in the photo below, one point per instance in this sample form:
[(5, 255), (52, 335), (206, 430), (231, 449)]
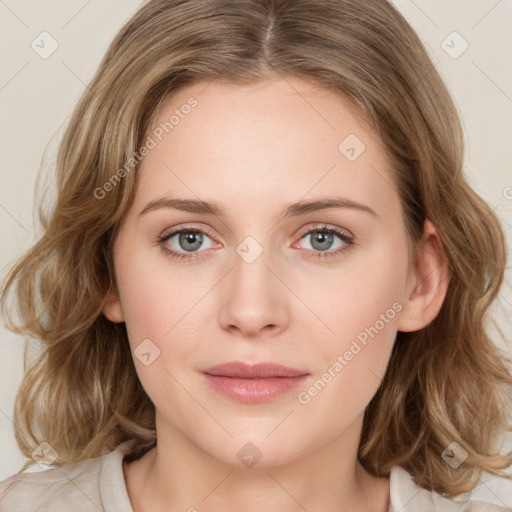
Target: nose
[(254, 299)]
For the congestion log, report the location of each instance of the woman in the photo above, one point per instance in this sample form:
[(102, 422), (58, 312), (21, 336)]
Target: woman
[(265, 278)]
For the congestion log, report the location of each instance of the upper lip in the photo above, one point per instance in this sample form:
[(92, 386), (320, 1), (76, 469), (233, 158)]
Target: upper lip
[(241, 370)]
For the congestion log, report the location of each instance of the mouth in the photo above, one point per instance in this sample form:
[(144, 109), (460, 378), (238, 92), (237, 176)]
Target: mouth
[(257, 383)]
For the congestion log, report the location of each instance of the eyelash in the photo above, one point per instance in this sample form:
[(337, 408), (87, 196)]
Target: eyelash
[(348, 242)]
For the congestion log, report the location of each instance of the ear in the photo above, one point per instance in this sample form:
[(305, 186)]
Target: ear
[(427, 283), (112, 308)]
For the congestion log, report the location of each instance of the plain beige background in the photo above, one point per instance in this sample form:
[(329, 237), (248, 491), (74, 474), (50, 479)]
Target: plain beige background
[(37, 96)]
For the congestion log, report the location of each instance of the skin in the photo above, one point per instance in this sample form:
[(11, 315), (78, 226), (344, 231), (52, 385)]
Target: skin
[(254, 150)]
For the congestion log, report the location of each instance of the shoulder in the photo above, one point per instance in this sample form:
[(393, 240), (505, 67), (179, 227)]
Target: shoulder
[(88, 486), (406, 496), (56, 488)]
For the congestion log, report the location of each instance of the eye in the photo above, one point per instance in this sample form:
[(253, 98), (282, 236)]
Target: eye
[(323, 238), (185, 243)]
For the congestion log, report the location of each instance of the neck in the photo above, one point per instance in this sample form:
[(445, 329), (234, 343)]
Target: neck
[(177, 475)]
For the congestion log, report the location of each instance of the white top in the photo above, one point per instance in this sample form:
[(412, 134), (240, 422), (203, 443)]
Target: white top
[(98, 485)]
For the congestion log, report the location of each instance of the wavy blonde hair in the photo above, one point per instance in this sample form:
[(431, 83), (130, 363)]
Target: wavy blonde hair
[(446, 383)]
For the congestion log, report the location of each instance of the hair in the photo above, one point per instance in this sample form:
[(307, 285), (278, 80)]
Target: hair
[(445, 383)]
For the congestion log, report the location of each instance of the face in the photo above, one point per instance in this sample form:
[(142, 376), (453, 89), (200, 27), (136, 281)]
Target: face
[(320, 290)]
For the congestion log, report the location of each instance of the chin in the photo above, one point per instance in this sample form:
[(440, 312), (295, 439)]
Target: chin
[(254, 451)]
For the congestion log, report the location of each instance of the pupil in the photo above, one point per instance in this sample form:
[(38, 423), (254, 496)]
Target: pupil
[(324, 239), (192, 238)]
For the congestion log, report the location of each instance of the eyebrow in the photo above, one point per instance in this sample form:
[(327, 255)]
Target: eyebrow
[(292, 210)]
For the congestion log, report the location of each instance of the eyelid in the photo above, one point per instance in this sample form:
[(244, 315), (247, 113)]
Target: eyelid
[(186, 227), (317, 226), (321, 226)]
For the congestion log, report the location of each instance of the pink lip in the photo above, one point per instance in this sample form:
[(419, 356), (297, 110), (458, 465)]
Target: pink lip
[(253, 383)]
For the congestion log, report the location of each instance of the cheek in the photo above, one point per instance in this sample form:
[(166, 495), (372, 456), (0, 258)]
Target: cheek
[(358, 297), (361, 305), (155, 297), (349, 370)]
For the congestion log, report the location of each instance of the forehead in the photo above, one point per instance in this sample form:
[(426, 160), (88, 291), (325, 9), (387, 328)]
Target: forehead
[(273, 140)]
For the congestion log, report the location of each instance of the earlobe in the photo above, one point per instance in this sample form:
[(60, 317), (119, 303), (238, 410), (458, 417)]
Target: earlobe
[(112, 308), (429, 279)]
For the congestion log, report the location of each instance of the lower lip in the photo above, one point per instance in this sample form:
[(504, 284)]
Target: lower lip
[(254, 391)]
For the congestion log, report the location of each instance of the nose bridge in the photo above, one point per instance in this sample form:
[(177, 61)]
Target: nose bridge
[(254, 297), (251, 275)]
